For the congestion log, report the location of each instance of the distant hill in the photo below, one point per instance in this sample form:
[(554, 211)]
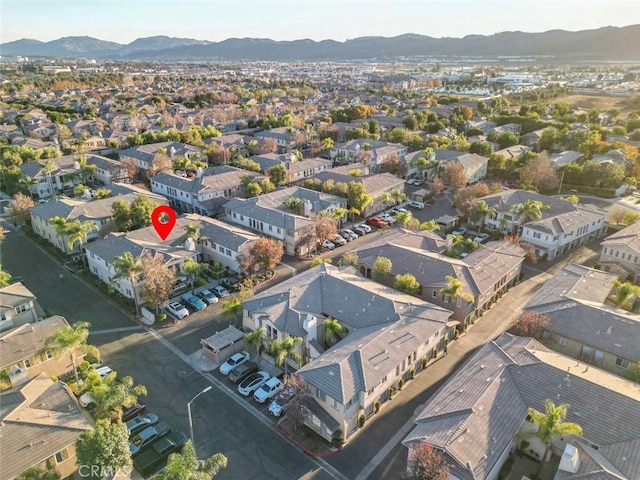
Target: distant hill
[(607, 43)]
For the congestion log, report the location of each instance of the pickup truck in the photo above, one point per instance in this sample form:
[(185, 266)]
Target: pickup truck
[(149, 460), (146, 437)]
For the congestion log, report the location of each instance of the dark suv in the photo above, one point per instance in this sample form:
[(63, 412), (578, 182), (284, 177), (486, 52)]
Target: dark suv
[(242, 371), (231, 284)]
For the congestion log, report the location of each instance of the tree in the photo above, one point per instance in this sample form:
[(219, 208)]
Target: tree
[(141, 209), (531, 210), (253, 340), (455, 289), (106, 447), (122, 215), (20, 207), (186, 466), (70, 339), (407, 283), (77, 232), (426, 463), (278, 175), (232, 308), (36, 473), (551, 423), (286, 348), (325, 228), (357, 197), (318, 261), (507, 139), (265, 253), (626, 294), (479, 211), (350, 259), (127, 266), (530, 250), (430, 225), (157, 282), (114, 394), (253, 189), (381, 269), (5, 278), (194, 271), (332, 330), (540, 172), (530, 324), (297, 410), (193, 231), (453, 175)]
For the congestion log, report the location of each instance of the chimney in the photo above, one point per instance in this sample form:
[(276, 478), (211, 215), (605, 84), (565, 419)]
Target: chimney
[(308, 208)]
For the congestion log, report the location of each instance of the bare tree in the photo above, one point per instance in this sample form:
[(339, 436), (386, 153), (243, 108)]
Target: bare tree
[(157, 282)]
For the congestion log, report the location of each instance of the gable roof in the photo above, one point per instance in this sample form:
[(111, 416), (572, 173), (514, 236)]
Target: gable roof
[(27, 340), (38, 420), (477, 412), (628, 236), (15, 295)]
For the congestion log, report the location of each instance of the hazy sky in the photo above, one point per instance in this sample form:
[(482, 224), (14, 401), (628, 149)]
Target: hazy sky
[(125, 20)]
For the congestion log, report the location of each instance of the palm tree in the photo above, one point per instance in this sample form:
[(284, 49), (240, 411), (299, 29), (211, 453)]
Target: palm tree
[(59, 224), (48, 167), (28, 182), (127, 266), (398, 196), (115, 394), (280, 350), (253, 340), (626, 294), (430, 225), (185, 464), (78, 231), (479, 211), (551, 424), (194, 270), (232, 308), (193, 231), (531, 210), (327, 143), (455, 288), (69, 339), (332, 329)]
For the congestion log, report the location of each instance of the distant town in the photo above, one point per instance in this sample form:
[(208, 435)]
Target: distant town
[(411, 268)]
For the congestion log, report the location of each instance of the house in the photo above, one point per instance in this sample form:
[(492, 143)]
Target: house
[(98, 211), (508, 127), (565, 158), (376, 152), (156, 157), (389, 333), (296, 170), (486, 273), (40, 423), (205, 193), (581, 325), (532, 139), (286, 138), (620, 252), (563, 225), (474, 166), (174, 250), (475, 418), (514, 151), (23, 355), (267, 215), (67, 173), (18, 306)]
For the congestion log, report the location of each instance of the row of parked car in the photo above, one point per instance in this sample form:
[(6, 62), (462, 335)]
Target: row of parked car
[(151, 441), (252, 381), (200, 300), (346, 235)]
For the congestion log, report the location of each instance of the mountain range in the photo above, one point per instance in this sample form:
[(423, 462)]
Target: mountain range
[(607, 43)]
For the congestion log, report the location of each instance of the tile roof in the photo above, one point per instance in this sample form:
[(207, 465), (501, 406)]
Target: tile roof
[(476, 414), (14, 295), (39, 419), (27, 340), (628, 236)]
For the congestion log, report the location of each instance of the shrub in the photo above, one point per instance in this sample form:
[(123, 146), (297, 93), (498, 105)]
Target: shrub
[(376, 407), (400, 384), (362, 420), (392, 391), (337, 439), (435, 352), (456, 334), (424, 362), (54, 379), (446, 341), (412, 373)]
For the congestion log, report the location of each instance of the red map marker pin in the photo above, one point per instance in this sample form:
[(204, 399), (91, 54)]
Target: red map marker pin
[(163, 219)]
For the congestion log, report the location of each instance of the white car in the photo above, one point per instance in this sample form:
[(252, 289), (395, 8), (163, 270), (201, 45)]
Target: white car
[(481, 237), (388, 218), (347, 234), (329, 245), (268, 390), (364, 227), (235, 360), (253, 382), (416, 204), (459, 232), (339, 240), (177, 310), (412, 181)]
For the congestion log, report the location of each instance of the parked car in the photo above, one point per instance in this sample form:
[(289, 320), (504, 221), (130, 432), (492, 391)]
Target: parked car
[(136, 409), (220, 292), (396, 211), (329, 245), (141, 422), (253, 382), (359, 231), (208, 296), (281, 401), (146, 437), (235, 360), (339, 240), (364, 227), (86, 401), (460, 231), (390, 219), (159, 451), (416, 204), (269, 389), (101, 370), (481, 237), (242, 371), (378, 222), (347, 234), (412, 181), (177, 310), (193, 301), (231, 284)]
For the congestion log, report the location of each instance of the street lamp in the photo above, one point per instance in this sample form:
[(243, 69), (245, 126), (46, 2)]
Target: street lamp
[(189, 410)]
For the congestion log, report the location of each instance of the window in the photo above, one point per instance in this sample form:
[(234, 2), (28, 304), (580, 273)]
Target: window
[(562, 341), (434, 294), (585, 351), (334, 403), (459, 302), (321, 395), (447, 298), (622, 363), (598, 356), (351, 402), (27, 363), (49, 354), (22, 308), (536, 235)]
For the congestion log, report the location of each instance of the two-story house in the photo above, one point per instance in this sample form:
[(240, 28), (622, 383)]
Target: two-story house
[(581, 324), (389, 334), (620, 252), (155, 157), (269, 215), (41, 421), (18, 306), (286, 138), (486, 273), (376, 152), (296, 170)]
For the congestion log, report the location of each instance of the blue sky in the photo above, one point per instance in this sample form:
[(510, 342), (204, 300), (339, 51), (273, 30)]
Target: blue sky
[(123, 21)]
